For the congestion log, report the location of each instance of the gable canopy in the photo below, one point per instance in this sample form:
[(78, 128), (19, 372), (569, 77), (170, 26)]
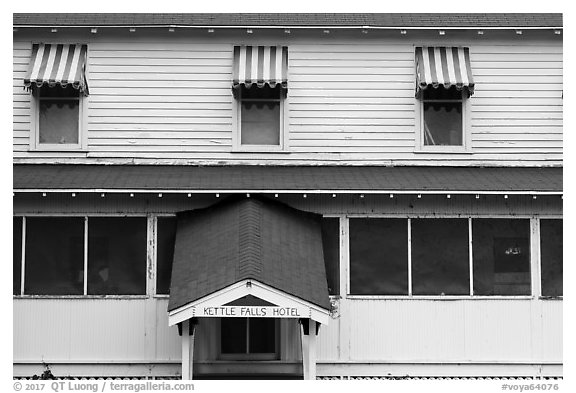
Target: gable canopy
[(260, 66), (58, 64), (443, 66), (245, 238)]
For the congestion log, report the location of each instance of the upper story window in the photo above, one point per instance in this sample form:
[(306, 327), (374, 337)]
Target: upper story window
[(443, 87), (442, 117), (57, 79), (260, 84)]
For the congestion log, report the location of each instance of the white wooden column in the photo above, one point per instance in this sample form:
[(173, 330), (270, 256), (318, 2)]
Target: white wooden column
[(305, 353), (188, 333), (311, 350), (308, 329)]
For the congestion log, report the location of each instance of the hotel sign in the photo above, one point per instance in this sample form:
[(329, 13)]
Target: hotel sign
[(252, 311)]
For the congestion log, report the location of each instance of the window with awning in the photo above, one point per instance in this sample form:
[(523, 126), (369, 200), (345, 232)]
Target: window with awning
[(58, 65), (57, 79), (259, 84), (444, 82)]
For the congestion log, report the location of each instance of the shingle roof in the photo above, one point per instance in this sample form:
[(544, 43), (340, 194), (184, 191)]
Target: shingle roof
[(400, 20), (255, 178), (248, 238)]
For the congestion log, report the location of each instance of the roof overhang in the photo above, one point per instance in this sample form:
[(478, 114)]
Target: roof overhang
[(214, 305), (297, 21), (295, 27), (369, 180)]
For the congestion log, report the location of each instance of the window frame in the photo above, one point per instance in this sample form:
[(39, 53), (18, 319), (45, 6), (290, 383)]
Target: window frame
[(237, 145), (250, 356), (466, 129), (150, 257), (35, 144)]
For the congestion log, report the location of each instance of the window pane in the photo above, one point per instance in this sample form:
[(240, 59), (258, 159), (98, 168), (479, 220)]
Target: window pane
[(260, 123), (165, 238), (262, 335), (378, 256), (54, 256), (331, 246), (440, 261), (117, 255), (16, 254), (501, 249), (443, 124), (233, 335), (58, 121), (551, 257)]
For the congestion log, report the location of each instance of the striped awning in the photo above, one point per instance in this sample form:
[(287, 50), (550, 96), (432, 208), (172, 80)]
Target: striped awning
[(443, 66), (58, 64), (260, 65)]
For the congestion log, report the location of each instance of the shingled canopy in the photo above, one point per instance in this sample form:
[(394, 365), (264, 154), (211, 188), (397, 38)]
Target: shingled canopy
[(286, 179), (253, 239)]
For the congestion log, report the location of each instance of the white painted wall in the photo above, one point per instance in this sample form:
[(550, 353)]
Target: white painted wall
[(135, 331), (157, 98)]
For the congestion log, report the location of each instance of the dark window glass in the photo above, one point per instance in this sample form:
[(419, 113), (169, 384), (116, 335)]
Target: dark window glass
[(378, 256), (443, 124), (331, 246), (248, 335), (440, 260), (165, 238), (54, 256), (117, 256), (260, 116), (233, 335), (442, 117), (551, 257), (59, 115), (501, 250), (262, 335), (16, 254)]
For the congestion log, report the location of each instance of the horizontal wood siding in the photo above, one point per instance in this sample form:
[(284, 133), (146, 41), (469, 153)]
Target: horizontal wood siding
[(379, 331), (21, 99), (350, 102)]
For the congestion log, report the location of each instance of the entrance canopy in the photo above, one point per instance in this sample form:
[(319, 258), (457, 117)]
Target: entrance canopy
[(248, 248)]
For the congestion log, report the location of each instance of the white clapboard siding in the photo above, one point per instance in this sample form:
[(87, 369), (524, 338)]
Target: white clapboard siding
[(461, 331), (349, 102), (390, 331), (21, 98)]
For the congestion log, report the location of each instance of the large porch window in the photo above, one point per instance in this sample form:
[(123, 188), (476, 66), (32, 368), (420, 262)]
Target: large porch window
[(452, 256)]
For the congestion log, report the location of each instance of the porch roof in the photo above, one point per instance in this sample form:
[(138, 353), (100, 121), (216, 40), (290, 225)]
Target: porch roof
[(244, 238), (257, 178)]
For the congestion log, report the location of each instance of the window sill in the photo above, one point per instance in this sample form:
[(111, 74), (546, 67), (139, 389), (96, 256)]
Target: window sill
[(442, 150), (58, 149), (551, 297), (253, 150)]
